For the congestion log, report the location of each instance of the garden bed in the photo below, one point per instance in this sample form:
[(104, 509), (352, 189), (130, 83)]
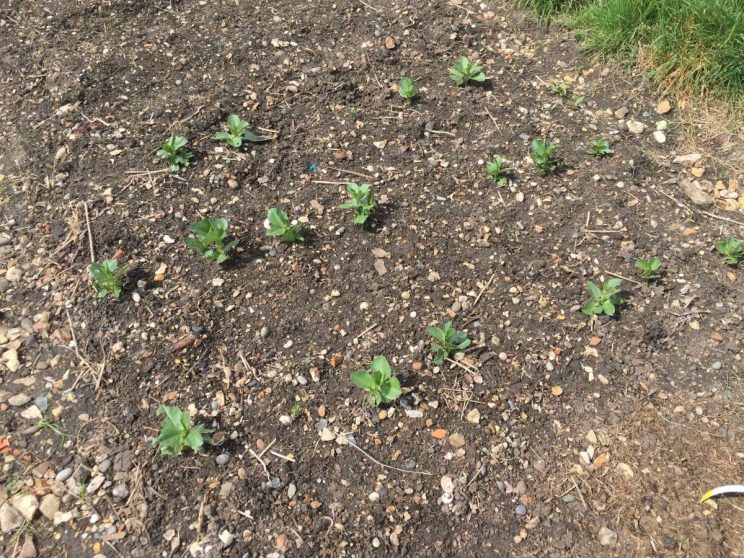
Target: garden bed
[(554, 433)]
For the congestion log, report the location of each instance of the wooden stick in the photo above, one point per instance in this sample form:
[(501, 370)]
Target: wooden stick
[(261, 461), (330, 182), (359, 174), (441, 132), (346, 441), (623, 277), (723, 218), (483, 290), (90, 234)]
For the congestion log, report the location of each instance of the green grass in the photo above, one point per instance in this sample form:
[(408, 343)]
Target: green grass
[(694, 46)]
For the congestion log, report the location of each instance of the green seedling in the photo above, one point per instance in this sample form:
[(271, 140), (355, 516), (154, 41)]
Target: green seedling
[(209, 239), (407, 89), (378, 382), (599, 148), (174, 151), (498, 171), (578, 101), (362, 202), (353, 112), (464, 71), (277, 224), (447, 340), (177, 432), (237, 132), (732, 250), (295, 411), (542, 153), (106, 277), (604, 298), (559, 88), (649, 268)]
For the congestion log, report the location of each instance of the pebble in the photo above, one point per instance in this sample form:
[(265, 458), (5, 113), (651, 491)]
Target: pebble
[(14, 274), (10, 519), (49, 506), (473, 416), (222, 459), (105, 465), (521, 510), (447, 484), (607, 537), (374, 496), (120, 491), (457, 440), (635, 127), (695, 193), (64, 474), (659, 136), (19, 400), (716, 365), (10, 360), (264, 332), (25, 504), (42, 403), (291, 490), (32, 413)]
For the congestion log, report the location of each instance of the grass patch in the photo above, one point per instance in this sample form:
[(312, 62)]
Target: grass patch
[(693, 46)]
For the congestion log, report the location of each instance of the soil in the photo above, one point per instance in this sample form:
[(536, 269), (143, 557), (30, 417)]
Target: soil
[(592, 436)]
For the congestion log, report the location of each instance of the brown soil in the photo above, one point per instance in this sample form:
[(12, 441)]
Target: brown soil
[(90, 90)]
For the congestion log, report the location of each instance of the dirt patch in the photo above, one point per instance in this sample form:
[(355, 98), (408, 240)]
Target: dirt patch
[(92, 89)]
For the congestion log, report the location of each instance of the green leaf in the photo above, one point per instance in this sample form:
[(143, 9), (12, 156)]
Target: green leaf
[(595, 291), (608, 308), (390, 390), (436, 333), (363, 379), (222, 136), (380, 364), (614, 283), (590, 308)]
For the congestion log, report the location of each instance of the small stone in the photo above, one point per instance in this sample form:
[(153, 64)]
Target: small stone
[(105, 465), (695, 193), (10, 519), (286, 420), (663, 107), (447, 484), (607, 537), (521, 510), (473, 416), (226, 537), (19, 400), (14, 274), (64, 474), (519, 197), (625, 470), (25, 504), (222, 459), (621, 112), (659, 136), (28, 550), (42, 403), (688, 159), (457, 440), (374, 497), (49, 506), (327, 435), (63, 517), (120, 491), (32, 413), (291, 490), (716, 365), (10, 360), (264, 332), (635, 127)]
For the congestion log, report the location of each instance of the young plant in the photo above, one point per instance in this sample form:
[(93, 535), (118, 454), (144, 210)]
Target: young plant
[(464, 71), (407, 89), (174, 151), (362, 202), (498, 171), (559, 88), (732, 250), (447, 341), (353, 112), (277, 224), (542, 154), (237, 132), (378, 382), (604, 298), (649, 268), (599, 148), (177, 433), (106, 277), (210, 234)]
